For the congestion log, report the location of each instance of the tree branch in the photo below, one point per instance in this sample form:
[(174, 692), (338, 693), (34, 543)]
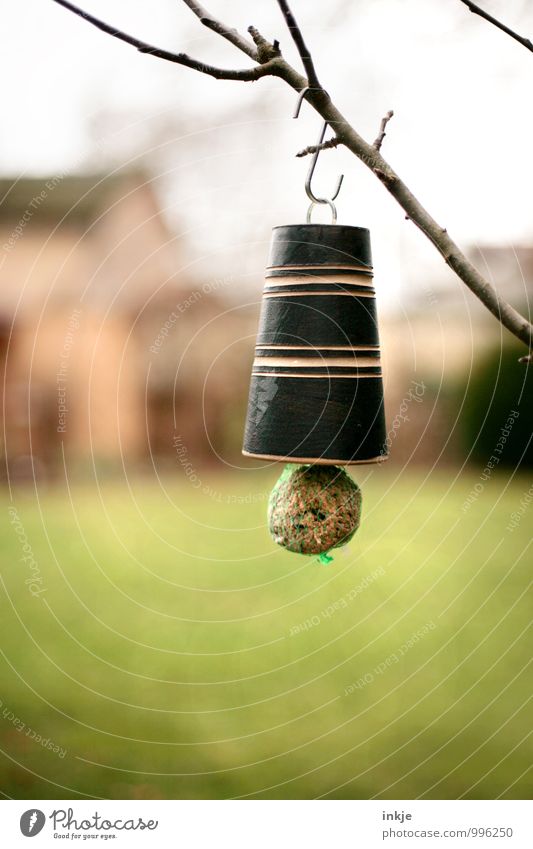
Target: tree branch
[(381, 135), (230, 34), (273, 64), (295, 31), (246, 75), (477, 10), (372, 158)]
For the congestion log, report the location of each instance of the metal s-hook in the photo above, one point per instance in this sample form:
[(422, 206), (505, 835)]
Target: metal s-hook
[(308, 189)]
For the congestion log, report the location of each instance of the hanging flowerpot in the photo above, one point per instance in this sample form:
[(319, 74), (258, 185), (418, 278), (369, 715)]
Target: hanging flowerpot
[(316, 393)]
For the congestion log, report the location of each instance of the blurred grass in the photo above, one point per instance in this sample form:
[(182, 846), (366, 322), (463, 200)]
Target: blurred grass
[(160, 655)]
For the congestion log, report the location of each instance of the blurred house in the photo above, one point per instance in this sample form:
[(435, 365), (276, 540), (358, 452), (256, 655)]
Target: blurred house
[(444, 338), (93, 327)]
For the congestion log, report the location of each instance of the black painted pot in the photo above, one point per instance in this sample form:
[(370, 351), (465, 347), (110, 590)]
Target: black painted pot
[(316, 393)]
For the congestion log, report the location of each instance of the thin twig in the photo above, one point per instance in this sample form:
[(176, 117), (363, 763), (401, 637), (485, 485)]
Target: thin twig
[(265, 50), (381, 135), (314, 148), (246, 75), (298, 39), (229, 33), (477, 10)]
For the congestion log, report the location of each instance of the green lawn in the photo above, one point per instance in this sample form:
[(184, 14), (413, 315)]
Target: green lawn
[(168, 656)]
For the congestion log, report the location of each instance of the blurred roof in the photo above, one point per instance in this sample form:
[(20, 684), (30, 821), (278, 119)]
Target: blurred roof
[(64, 235), (82, 196)]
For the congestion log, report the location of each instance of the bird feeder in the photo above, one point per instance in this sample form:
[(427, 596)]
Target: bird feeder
[(316, 392)]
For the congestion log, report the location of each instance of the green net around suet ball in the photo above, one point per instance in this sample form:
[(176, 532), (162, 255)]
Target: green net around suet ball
[(313, 509)]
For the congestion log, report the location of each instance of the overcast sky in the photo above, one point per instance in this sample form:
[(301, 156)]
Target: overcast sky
[(461, 137)]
